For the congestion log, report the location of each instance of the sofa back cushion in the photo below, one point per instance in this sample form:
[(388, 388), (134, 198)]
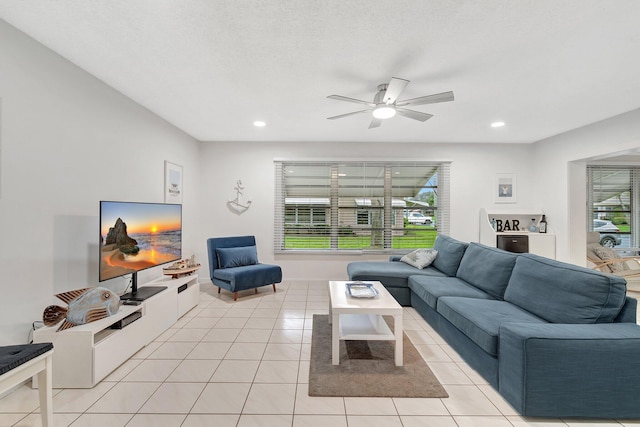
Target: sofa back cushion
[(237, 257), (450, 252), (487, 268), (564, 293)]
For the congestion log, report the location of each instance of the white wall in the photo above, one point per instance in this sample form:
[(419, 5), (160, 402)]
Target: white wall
[(473, 170), (560, 180), (68, 141)]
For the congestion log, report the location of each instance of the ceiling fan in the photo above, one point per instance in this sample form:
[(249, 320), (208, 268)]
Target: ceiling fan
[(386, 105)]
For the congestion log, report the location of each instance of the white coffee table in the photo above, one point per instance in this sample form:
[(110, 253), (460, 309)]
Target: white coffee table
[(361, 318)]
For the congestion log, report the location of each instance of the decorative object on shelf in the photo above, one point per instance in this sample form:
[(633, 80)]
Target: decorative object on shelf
[(505, 188), (532, 226), (172, 183), (84, 306), (237, 205), (183, 267), (542, 227), (502, 226)]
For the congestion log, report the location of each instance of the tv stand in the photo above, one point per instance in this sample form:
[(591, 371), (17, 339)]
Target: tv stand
[(85, 354), (142, 293)]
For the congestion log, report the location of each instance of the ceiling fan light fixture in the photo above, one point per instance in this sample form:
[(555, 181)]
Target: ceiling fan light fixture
[(384, 111), (386, 103)]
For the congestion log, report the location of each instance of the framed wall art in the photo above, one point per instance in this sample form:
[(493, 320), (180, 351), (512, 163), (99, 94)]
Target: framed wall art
[(505, 189), (172, 183)]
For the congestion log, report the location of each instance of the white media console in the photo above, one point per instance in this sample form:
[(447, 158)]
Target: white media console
[(86, 354)]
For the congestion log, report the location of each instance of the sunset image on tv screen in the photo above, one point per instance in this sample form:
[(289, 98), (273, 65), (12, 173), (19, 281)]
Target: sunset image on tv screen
[(136, 236)]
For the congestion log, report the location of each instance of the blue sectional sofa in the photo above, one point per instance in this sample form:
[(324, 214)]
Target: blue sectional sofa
[(555, 340)]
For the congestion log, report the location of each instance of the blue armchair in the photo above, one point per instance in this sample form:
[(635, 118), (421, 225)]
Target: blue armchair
[(234, 266)]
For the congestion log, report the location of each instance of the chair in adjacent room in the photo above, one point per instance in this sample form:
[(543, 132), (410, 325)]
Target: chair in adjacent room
[(234, 266), (608, 260)]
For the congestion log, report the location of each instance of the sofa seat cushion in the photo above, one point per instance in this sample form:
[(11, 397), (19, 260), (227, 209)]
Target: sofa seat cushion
[(450, 252), (487, 268), (564, 293), (429, 289), (393, 274), (249, 276), (480, 320)]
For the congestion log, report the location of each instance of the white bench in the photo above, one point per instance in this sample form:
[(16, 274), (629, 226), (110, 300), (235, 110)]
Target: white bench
[(18, 363)]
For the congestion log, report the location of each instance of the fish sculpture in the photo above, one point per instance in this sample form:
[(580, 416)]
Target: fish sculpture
[(84, 306)]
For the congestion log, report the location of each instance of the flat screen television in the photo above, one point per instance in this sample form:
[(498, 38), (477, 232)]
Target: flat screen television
[(137, 236)]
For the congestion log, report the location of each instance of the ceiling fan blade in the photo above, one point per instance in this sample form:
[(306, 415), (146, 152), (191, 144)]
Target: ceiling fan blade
[(415, 115), (394, 89), (375, 123), (346, 98), (348, 114), (429, 99)]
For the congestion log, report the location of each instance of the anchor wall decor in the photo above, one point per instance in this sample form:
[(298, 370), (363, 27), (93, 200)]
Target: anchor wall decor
[(237, 205)]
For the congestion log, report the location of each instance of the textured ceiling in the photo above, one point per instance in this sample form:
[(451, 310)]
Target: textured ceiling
[(213, 67)]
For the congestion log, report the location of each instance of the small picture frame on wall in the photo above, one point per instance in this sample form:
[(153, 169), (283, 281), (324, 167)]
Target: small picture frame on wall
[(505, 189), (172, 183)]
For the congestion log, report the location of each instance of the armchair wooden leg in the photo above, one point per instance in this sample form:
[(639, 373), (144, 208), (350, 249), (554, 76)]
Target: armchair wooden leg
[(274, 287), (235, 296), (219, 289), (255, 290)]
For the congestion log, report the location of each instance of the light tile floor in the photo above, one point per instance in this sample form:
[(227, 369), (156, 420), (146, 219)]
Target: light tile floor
[(246, 363)]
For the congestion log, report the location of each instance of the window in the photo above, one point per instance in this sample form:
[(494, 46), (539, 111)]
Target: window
[(362, 206), (612, 194), (363, 217), (304, 215)]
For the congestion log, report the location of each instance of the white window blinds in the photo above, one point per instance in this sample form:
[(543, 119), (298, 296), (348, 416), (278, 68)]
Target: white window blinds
[(359, 206)]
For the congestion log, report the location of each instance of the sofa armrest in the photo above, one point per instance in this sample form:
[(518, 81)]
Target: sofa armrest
[(571, 370), (628, 312)]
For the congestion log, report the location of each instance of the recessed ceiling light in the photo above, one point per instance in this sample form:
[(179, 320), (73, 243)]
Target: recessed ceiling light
[(259, 124), (497, 124)]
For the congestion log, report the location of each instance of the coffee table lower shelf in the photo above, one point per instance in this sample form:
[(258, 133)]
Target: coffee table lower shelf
[(364, 327)]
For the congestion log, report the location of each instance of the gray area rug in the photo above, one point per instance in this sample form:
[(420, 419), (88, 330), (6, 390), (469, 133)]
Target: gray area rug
[(367, 368)]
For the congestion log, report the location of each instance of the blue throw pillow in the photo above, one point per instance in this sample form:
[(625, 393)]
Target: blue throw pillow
[(237, 257)]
